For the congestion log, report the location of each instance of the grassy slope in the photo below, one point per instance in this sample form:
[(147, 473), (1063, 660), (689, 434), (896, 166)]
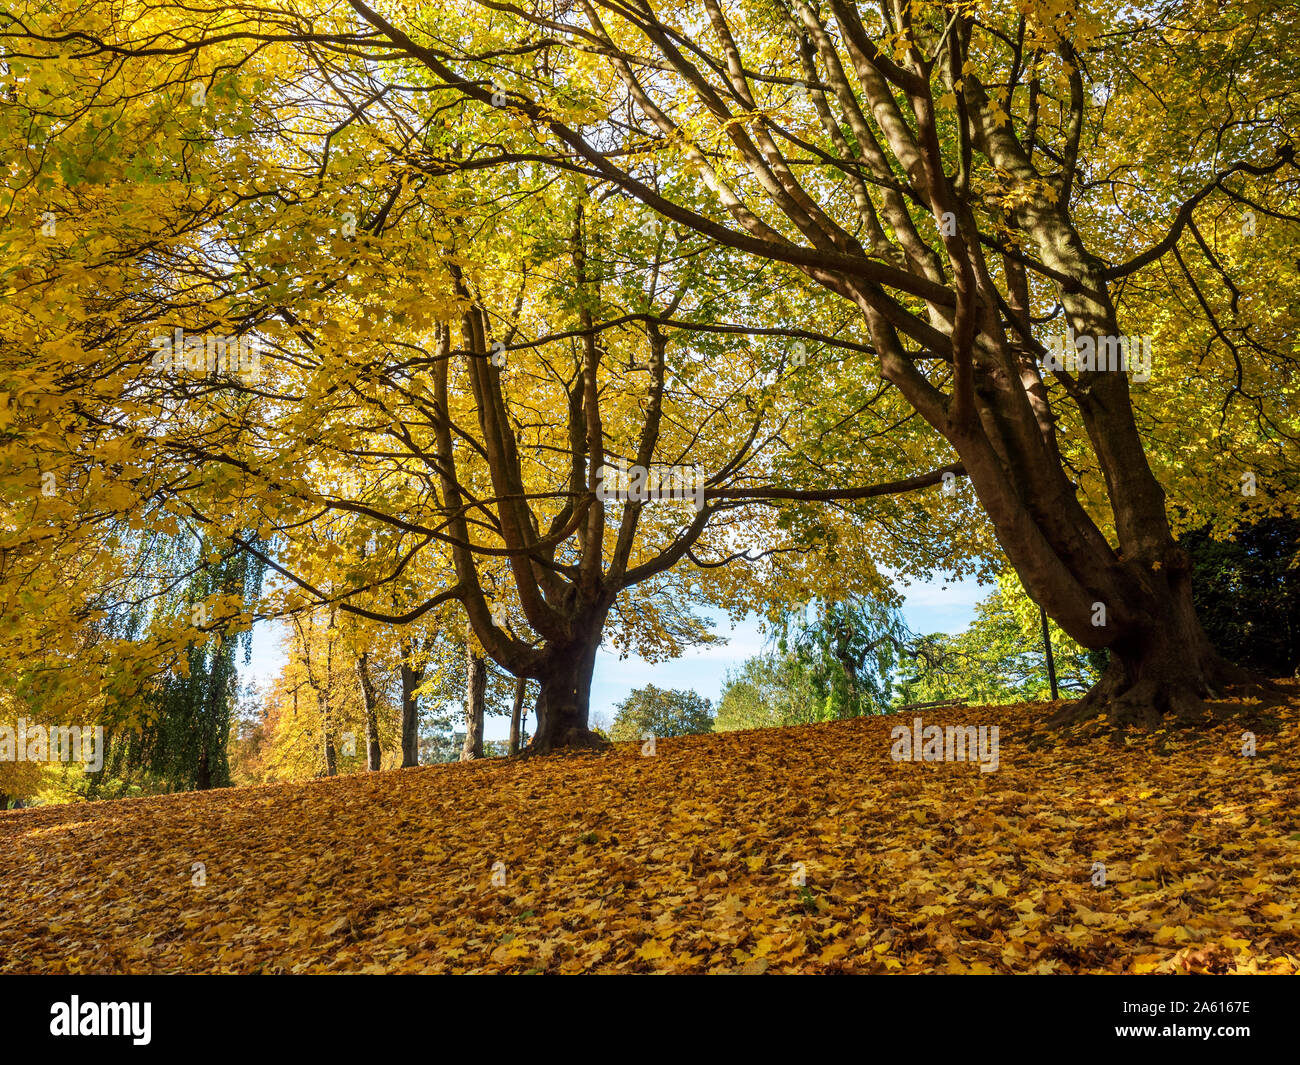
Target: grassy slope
[(683, 861)]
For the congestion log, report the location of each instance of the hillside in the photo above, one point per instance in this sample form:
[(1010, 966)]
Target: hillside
[(685, 861)]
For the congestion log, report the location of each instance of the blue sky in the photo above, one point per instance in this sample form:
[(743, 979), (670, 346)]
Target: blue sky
[(932, 607), (938, 606)]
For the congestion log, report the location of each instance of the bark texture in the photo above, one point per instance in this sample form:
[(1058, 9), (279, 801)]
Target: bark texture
[(370, 700), (564, 703), (412, 677), (517, 714), (475, 693)]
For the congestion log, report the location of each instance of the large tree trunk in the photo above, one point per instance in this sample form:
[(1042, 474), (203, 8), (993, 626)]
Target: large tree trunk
[(564, 702), (1162, 663), (517, 713), (411, 678), (475, 693), (373, 752), (1133, 598)]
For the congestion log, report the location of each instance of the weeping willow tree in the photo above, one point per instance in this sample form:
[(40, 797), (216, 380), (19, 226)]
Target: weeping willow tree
[(849, 651), (832, 659), (180, 742)]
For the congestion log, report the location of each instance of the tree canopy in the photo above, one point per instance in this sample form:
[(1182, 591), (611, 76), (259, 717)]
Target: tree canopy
[(564, 320), (652, 711)]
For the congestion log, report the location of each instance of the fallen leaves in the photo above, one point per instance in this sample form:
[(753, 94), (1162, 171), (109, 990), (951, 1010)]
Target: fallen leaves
[(782, 850)]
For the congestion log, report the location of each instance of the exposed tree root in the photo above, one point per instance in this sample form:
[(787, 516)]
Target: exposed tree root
[(1183, 696), (573, 739)]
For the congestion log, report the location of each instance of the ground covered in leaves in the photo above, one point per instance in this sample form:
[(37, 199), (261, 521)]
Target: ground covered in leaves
[(690, 861)]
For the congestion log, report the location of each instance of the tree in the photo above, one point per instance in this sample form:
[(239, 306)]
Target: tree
[(999, 658), (814, 259), (849, 651), (475, 695), (1247, 590), (413, 660), (661, 712), (767, 691), (319, 717), (515, 742), (374, 752), (927, 165), (828, 660), (182, 740)]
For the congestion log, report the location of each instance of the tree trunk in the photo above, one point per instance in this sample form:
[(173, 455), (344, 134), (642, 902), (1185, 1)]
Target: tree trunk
[(411, 679), (211, 711), (373, 752), (475, 693), (517, 713), (1133, 598), (1047, 656), (203, 771), (1136, 598), (331, 757), (564, 702), (1135, 601), (1161, 665)]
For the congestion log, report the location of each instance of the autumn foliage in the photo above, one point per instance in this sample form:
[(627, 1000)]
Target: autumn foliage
[(690, 861)]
